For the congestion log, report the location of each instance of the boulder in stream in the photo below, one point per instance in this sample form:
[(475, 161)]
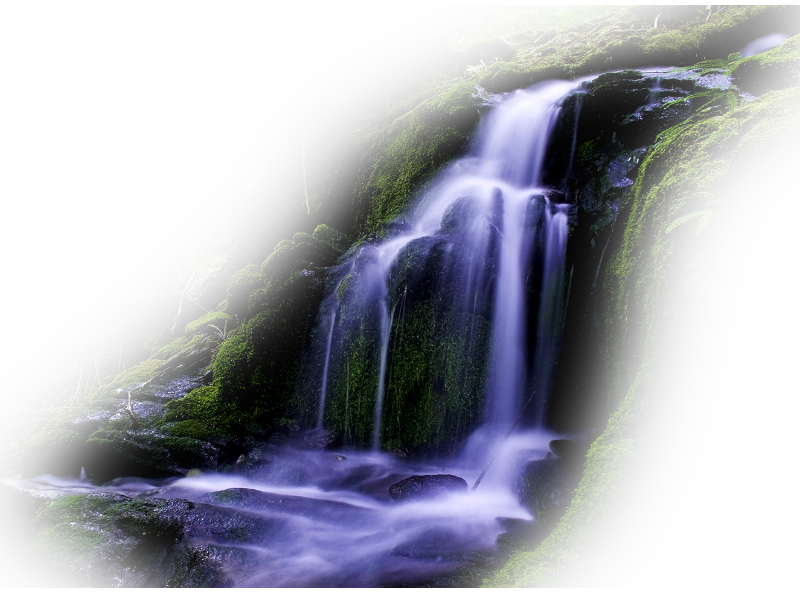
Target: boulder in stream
[(423, 487), (322, 439)]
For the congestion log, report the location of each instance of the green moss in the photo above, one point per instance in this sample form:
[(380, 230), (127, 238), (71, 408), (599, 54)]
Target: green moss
[(191, 428), (142, 372), (628, 39), (81, 532), (65, 539), (415, 146), (775, 69), (240, 285), (218, 319), (330, 236), (200, 403), (171, 348), (112, 452), (55, 451)]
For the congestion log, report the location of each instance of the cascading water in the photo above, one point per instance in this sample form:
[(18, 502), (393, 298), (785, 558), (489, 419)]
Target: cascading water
[(482, 264), (497, 238)]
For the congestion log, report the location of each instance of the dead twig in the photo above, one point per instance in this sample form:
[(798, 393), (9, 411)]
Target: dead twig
[(129, 407), (305, 188)]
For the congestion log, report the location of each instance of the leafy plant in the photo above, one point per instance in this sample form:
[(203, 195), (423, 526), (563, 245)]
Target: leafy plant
[(705, 215), (704, 268)]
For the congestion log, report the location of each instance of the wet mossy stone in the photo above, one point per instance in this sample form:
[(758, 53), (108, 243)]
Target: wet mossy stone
[(310, 250), (322, 439), (199, 404), (240, 285), (330, 236), (774, 69), (135, 375), (171, 348), (218, 319), (111, 453), (104, 539), (20, 566), (424, 487), (566, 449), (54, 452)]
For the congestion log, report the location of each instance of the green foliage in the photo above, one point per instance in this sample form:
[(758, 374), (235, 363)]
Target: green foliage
[(462, 26), (703, 215), (705, 268), (204, 324), (241, 284)]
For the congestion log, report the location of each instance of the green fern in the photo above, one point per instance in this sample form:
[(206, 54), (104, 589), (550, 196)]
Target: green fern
[(705, 216), (704, 270)]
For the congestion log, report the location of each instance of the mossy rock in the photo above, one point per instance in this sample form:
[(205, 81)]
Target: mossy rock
[(104, 539), (330, 236), (774, 69), (109, 454), (240, 285), (199, 404), (217, 319), (169, 349), (55, 452), (137, 374)]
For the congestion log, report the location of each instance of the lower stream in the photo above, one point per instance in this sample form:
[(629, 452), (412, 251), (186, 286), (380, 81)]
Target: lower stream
[(326, 518)]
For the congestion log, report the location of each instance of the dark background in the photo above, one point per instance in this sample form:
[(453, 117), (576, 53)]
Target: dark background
[(122, 129)]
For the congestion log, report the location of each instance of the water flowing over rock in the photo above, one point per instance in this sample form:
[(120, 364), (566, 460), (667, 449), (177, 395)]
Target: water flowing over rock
[(420, 487), (438, 346)]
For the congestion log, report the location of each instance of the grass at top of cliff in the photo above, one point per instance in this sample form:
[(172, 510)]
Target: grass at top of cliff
[(628, 39)]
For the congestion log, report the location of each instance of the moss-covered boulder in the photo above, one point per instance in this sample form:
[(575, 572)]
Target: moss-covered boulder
[(240, 285), (212, 322), (55, 452), (424, 487), (775, 69), (110, 540)]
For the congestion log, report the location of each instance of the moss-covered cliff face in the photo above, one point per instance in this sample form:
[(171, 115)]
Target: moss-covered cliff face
[(693, 180)]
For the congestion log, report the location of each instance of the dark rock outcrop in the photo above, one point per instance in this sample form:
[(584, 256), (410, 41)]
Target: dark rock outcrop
[(424, 487)]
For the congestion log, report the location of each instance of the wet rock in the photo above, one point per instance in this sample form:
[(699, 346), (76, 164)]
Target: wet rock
[(546, 489), (437, 544), (17, 522), (488, 52), (566, 449), (56, 452), (423, 487), (322, 439), (269, 503), (111, 540)]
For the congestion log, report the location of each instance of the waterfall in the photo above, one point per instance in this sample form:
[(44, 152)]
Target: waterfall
[(490, 239)]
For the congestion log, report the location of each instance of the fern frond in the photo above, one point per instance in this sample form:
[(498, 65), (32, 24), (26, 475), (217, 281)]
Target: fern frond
[(732, 100), (707, 287), (697, 261), (700, 271), (704, 221), (684, 219)]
